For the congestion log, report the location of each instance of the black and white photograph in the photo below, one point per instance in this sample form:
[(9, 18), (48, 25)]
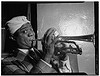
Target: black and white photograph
[(49, 38)]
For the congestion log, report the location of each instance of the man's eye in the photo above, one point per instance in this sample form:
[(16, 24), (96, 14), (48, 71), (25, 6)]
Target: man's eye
[(24, 31)]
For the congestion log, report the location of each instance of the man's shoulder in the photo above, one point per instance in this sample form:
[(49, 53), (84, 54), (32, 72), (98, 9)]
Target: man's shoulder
[(7, 66), (8, 60)]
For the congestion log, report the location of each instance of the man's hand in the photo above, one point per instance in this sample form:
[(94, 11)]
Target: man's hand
[(48, 44)]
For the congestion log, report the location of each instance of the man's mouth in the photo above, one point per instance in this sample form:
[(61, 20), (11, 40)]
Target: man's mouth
[(32, 39), (32, 42)]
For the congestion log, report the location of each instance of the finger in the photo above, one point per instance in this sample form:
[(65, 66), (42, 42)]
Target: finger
[(55, 39), (52, 32), (49, 33), (46, 34), (50, 37)]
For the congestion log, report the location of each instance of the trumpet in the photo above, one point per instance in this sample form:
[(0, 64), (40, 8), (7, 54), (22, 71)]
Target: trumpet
[(86, 38), (67, 39)]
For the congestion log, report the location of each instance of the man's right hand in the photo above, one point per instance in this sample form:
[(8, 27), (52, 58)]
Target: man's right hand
[(48, 44)]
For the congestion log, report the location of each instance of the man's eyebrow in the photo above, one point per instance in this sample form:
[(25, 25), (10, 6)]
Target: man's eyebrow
[(25, 27)]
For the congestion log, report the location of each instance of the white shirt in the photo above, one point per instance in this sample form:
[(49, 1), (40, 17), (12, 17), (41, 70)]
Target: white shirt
[(66, 68)]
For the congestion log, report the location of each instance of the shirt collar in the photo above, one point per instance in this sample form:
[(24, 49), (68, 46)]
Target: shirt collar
[(24, 51)]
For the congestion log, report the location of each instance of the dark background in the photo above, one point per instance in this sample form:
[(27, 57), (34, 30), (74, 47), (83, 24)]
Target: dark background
[(13, 9)]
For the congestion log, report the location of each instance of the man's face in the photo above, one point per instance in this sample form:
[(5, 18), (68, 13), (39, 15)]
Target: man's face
[(25, 36)]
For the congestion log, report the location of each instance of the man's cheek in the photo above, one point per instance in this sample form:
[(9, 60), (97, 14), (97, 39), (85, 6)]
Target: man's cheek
[(27, 40), (23, 40)]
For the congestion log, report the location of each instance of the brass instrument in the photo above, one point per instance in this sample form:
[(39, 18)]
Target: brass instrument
[(87, 38), (70, 39)]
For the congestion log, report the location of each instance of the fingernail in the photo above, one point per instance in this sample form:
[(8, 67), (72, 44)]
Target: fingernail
[(56, 33)]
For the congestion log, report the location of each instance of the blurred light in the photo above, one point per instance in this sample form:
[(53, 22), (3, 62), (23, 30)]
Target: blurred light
[(71, 27)]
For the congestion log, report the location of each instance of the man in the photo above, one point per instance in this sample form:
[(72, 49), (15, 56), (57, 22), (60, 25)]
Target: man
[(26, 59)]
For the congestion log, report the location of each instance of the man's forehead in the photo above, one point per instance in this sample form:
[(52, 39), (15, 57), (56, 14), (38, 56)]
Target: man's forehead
[(26, 25)]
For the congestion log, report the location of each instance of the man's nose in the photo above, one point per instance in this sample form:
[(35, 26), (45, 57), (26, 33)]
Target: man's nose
[(31, 34)]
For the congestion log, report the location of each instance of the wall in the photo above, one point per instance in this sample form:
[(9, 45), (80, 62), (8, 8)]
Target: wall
[(70, 19)]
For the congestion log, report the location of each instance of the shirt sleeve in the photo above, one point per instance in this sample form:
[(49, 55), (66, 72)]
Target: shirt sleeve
[(43, 67)]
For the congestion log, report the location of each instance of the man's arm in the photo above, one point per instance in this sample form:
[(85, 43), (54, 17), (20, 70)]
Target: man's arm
[(42, 67), (48, 50)]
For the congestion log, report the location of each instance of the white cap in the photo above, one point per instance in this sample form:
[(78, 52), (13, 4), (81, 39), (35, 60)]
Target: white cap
[(15, 23)]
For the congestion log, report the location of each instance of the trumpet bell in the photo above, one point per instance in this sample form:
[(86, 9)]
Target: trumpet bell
[(86, 38)]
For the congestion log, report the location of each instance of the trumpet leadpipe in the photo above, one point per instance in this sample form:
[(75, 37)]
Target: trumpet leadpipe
[(87, 38), (37, 40)]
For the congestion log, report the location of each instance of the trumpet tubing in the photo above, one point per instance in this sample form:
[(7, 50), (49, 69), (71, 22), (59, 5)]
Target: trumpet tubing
[(87, 38)]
